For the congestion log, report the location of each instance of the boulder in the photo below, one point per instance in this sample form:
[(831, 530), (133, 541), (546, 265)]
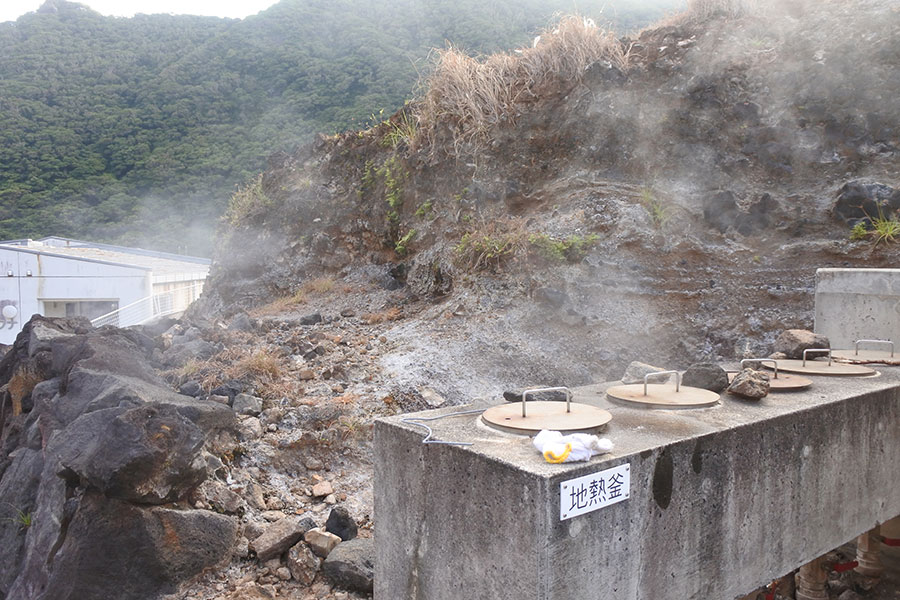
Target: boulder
[(707, 376), (148, 455), (750, 384), (279, 536), (858, 200), (114, 549), (341, 524), (352, 565), (793, 342)]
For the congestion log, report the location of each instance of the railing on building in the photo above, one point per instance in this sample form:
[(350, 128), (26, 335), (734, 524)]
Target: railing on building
[(151, 307)]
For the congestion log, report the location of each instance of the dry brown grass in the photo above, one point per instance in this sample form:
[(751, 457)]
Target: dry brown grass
[(471, 96), (319, 285), (278, 305), (266, 368), (391, 314)]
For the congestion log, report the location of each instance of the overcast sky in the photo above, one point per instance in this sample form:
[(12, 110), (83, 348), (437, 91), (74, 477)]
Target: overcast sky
[(10, 10)]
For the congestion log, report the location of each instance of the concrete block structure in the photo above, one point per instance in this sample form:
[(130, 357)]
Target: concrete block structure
[(59, 277), (721, 500), (854, 304)]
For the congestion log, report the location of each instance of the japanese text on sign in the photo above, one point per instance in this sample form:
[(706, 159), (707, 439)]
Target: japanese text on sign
[(590, 492)]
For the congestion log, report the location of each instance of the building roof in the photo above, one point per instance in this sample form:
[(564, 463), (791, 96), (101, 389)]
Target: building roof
[(159, 263)]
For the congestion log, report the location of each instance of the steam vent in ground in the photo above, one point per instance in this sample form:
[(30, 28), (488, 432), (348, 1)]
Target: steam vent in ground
[(716, 187)]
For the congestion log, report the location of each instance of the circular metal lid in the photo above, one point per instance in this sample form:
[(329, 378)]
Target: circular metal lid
[(663, 395), (821, 367), (546, 415)]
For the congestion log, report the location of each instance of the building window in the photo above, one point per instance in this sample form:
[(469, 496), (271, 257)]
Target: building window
[(79, 308)]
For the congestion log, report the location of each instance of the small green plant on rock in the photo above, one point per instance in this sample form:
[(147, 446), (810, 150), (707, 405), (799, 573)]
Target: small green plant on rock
[(402, 245), (481, 250), (246, 200), (570, 249), (859, 232), (393, 175), (404, 130), (424, 209), (882, 229), (654, 206), (22, 519)]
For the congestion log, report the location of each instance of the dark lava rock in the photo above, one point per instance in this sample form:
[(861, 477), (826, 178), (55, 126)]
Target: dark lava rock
[(750, 384), (516, 396), (793, 342), (860, 200), (720, 210), (179, 354), (105, 441), (707, 376), (245, 404), (113, 549), (352, 565), (311, 319), (229, 389), (147, 455), (241, 322), (190, 388), (341, 524)]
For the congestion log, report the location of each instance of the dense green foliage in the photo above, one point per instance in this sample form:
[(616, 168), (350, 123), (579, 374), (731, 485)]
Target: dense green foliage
[(137, 130)]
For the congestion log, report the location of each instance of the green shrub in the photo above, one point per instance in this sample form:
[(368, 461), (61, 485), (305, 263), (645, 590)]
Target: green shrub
[(570, 249)]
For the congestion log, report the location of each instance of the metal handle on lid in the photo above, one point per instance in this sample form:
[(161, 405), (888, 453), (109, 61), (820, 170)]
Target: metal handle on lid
[(677, 379), (858, 342), (762, 360), (553, 389), (828, 350)]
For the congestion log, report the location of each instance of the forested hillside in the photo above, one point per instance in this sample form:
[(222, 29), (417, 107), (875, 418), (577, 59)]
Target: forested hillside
[(137, 130)]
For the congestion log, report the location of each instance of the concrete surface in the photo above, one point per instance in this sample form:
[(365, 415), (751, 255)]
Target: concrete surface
[(723, 499), (853, 304)]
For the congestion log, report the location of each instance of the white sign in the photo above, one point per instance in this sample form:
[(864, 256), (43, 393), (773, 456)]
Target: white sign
[(590, 492)]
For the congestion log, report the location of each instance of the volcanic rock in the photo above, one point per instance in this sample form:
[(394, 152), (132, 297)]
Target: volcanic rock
[(750, 384), (861, 200), (352, 565), (245, 404), (707, 376), (321, 542), (341, 524), (793, 342), (279, 536), (217, 496), (516, 396), (303, 563), (241, 322)]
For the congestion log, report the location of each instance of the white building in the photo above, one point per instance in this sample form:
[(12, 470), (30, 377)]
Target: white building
[(59, 277)]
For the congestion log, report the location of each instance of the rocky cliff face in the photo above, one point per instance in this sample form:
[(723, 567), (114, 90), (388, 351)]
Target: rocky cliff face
[(97, 457), (670, 202)]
